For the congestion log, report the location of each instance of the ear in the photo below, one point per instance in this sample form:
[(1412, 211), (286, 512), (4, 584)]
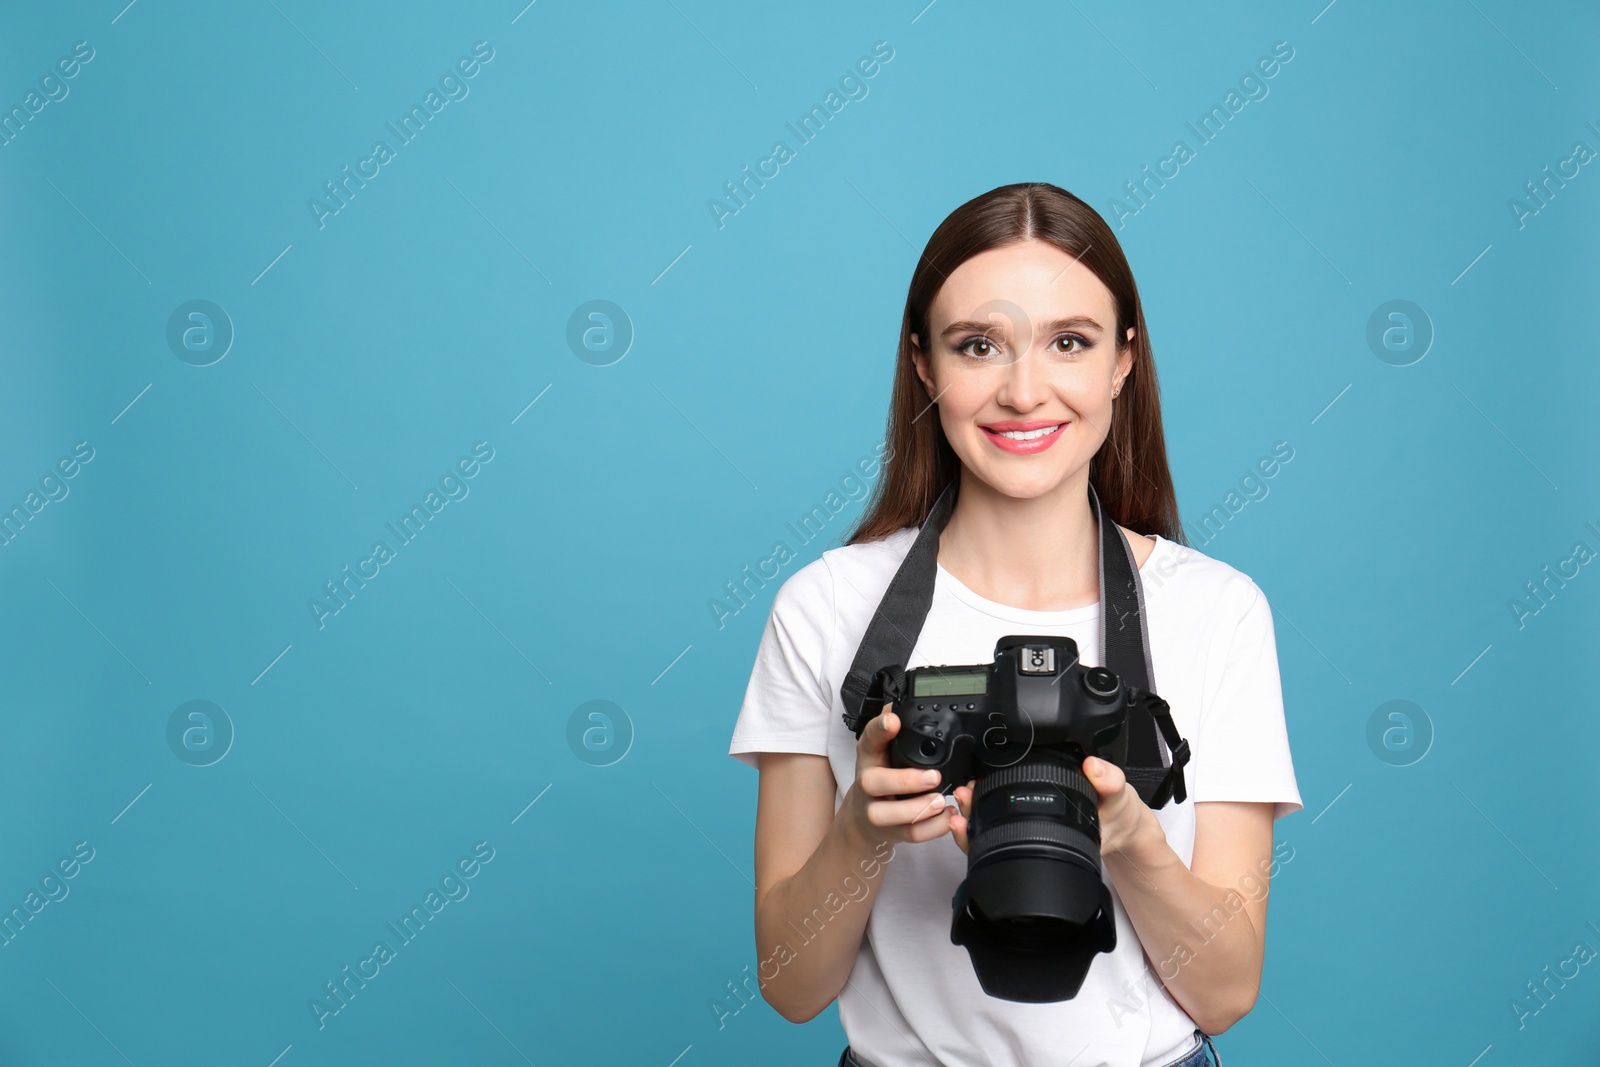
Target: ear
[(919, 361), (1125, 359)]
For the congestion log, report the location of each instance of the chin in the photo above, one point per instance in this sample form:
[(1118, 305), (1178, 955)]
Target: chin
[(1020, 488)]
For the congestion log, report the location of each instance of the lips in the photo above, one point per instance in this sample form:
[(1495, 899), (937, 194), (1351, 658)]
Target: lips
[(1027, 437), (1013, 424)]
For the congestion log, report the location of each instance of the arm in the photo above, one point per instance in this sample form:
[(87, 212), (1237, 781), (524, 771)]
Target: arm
[(1204, 927), (818, 871)]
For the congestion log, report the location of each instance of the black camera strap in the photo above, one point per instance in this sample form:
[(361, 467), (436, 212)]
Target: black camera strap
[(1124, 647)]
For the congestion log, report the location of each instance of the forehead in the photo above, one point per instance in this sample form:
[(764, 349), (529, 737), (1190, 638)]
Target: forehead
[(1036, 276)]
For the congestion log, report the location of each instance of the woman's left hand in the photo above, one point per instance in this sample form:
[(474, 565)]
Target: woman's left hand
[(1122, 810)]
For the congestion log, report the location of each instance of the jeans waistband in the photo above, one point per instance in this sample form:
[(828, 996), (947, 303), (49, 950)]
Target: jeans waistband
[(1206, 1052), (848, 1058)]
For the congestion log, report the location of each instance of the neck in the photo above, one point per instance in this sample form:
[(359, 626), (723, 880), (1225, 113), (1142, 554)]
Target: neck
[(1040, 553)]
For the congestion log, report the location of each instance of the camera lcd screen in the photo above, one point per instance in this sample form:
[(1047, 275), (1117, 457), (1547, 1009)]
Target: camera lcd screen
[(950, 683)]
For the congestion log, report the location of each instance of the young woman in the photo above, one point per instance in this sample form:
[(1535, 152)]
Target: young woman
[(1024, 370)]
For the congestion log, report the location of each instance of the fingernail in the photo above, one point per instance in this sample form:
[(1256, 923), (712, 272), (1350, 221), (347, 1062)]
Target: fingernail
[(930, 776), (1095, 766)]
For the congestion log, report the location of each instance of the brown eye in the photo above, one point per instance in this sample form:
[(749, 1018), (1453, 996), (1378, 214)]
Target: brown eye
[(966, 348)]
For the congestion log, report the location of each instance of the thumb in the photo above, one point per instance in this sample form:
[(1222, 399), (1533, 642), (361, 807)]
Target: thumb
[(1106, 777), (880, 732)]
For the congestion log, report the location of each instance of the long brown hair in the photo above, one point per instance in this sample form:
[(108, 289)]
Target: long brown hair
[(1129, 472)]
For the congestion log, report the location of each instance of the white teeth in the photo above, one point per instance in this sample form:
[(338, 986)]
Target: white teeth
[(1029, 435)]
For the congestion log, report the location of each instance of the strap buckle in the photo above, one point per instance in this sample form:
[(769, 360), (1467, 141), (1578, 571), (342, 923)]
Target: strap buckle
[(1172, 783), (883, 689)]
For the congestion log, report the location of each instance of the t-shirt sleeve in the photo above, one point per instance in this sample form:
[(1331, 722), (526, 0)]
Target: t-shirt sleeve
[(1242, 752), (788, 703)]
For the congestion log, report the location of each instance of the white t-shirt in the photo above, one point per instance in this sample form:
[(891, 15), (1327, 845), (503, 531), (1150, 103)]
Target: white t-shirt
[(913, 998)]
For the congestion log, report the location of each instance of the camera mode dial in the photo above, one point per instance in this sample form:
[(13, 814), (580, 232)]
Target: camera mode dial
[(1101, 684)]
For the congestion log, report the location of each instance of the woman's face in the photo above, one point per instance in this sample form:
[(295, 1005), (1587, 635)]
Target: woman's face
[(1021, 340)]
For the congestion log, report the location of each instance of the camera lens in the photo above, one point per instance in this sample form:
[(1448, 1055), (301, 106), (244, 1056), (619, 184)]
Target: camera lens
[(1034, 908), (1100, 682)]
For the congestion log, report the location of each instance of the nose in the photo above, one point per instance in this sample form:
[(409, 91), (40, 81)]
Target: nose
[(1024, 387)]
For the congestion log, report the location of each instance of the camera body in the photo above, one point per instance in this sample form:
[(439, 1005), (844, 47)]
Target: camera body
[(966, 720)]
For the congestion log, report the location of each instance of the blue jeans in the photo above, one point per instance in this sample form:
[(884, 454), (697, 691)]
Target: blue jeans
[(1204, 1056)]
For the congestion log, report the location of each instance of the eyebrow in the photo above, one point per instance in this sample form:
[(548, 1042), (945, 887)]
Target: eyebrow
[(1049, 326)]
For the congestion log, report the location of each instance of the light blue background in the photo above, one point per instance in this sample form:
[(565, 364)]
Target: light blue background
[(426, 315)]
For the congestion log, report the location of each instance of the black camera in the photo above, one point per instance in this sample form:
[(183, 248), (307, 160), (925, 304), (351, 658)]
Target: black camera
[(1033, 910)]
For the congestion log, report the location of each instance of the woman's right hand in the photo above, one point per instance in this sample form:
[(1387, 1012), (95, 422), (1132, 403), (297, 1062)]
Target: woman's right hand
[(918, 818)]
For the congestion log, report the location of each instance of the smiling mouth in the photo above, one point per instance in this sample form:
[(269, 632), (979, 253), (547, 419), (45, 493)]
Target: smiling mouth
[(1025, 435)]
